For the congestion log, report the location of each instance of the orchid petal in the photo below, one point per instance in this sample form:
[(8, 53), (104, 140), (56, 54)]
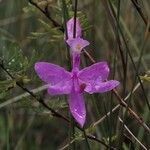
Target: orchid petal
[(77, 44), (77, 107), (51, 73), (96, 72), (70, 28), (60, 88), (101, 87)]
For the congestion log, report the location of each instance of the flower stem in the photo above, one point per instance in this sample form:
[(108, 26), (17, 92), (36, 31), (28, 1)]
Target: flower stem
[(86, 140), (75, 16)]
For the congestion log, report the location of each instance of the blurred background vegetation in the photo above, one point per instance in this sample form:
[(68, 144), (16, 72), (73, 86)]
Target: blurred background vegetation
[(30, 32)]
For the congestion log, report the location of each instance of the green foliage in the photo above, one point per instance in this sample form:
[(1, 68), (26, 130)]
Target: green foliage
[(51, 34), (14, 58), (5, 86), (16, 63), (146, 77)]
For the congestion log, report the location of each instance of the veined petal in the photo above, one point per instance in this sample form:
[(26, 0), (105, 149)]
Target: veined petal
[(70, 28), (60, 88), (50, 73), (77, 44), (101, 87), (77, 107), (96, 72)]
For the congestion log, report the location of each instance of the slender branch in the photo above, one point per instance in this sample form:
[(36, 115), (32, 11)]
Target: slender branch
[(89, 56), (136, 117), (139, 10), (91, 137), (47, 14), (67, 145), (132, 134), (21, 96)]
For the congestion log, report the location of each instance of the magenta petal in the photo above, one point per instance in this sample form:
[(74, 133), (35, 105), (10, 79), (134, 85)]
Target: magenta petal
[(77, 107), (77, 44), (60, 88), (96, 72), (70, 28), (101, 87), (51, 73)]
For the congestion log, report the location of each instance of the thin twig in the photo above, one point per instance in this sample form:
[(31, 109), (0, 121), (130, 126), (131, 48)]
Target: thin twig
[(103, 143), (21, 96), (136, 117), (67, 145), (89, 56), (132, 134), (139, 10), (91, 137), (46, 13)]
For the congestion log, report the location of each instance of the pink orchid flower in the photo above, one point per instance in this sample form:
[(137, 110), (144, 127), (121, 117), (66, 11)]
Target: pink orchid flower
[(91, 79)]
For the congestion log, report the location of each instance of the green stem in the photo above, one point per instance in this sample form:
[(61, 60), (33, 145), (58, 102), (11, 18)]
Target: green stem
[(75, 16), (66, 16), (86, 140)]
